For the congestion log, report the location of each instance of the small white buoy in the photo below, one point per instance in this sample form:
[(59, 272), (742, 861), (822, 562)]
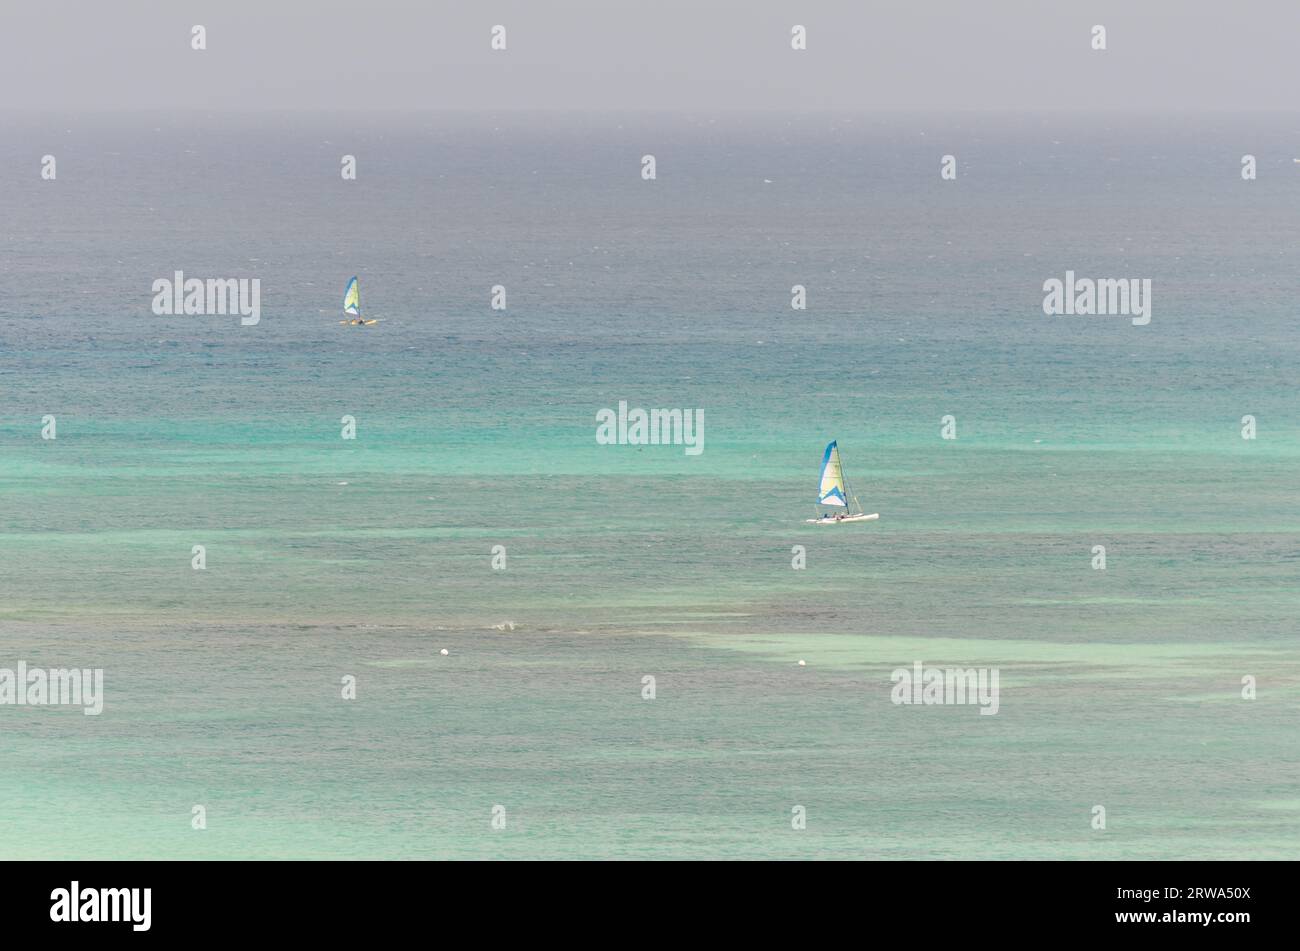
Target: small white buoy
[(443, 652), (802, 664)]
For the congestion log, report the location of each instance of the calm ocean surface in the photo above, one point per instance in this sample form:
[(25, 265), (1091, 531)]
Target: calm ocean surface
[(476, 428)]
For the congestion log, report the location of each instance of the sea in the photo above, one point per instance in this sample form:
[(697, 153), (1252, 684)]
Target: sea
[(1069, 501)]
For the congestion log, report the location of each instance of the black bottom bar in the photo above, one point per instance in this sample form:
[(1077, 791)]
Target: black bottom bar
[(1218, 901)]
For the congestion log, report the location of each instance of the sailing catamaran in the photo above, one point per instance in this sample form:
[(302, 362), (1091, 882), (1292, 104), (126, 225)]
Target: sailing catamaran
[(835, 493), (352, 306)]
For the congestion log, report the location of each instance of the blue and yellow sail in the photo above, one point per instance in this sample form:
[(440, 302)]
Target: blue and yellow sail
[(352, 299), (832, 491)]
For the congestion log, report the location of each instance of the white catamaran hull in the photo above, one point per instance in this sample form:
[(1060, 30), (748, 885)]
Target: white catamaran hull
[(848, 518)]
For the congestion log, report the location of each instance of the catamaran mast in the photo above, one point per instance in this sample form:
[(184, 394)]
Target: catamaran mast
[(848, 510)]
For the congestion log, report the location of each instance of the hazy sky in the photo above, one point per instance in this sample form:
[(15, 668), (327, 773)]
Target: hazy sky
[(1186, 55)]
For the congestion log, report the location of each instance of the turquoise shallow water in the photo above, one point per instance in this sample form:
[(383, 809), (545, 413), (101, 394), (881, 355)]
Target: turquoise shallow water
[(476, 428)]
